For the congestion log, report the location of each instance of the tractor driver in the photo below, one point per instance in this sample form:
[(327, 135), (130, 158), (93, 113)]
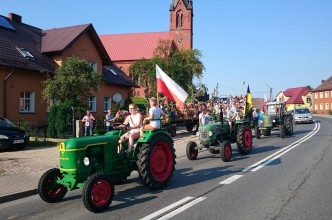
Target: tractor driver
[(134, 120), (231, 116)]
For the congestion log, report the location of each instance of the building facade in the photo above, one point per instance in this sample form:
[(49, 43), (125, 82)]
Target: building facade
[(322, 97), (28, 55)]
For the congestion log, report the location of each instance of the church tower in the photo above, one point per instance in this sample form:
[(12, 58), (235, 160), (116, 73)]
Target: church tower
[(181, 23)]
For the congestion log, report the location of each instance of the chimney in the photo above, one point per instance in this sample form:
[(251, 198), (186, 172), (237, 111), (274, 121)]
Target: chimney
[(15, 17), (323, 81)]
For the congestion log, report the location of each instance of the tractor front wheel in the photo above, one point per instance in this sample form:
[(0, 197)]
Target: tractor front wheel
[(226, 151), (156, 162), (98, 192), (48, 188), (191, 152)]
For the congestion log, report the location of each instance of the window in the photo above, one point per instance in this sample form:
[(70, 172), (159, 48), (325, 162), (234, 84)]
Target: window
[(92, 103), (327, 106), (308, 99), (316, 96), (93, 65), (107, 103), (321, 106), (179, 19), (326, 94), (112, 71), (321, 95), (316, 107), (26, 54), (27, 102)]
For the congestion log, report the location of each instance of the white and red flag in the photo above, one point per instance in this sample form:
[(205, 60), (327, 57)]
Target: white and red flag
[(170, 88)]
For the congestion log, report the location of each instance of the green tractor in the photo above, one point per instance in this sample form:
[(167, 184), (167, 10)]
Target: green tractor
[(217, 137), (94, 163), (276, 117)]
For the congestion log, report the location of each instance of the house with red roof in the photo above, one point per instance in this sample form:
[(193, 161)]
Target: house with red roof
[(125, 49), (322, 97), (295, 97), (28, 54)]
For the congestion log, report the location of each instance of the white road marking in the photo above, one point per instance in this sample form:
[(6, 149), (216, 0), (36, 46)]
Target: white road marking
[(254, 167), (230, 179), (167, 208), (279, 155), (182, 208)]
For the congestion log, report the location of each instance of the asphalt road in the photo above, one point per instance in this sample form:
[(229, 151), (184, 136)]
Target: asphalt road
[(286, 178)]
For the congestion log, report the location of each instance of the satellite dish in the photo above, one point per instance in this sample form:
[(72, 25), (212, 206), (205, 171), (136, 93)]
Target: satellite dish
[(117, 97)]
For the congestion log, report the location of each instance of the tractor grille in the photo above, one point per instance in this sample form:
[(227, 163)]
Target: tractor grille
[(203, 134)]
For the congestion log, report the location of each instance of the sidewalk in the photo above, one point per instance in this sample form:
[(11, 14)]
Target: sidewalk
[(23, 185)]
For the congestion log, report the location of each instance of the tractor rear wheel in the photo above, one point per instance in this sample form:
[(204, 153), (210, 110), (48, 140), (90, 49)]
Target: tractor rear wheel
[(48, 188), (282, 131), (98, 192), (156, 162), (226, 151), (191, 152), (289, 125), (257, 132), (244, 139)]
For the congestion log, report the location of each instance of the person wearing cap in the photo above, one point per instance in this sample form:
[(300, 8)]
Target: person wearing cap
[(152, 122)]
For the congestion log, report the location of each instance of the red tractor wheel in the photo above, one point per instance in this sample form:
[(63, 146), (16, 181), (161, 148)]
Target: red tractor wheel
[(226, 151), (98, 192), (48, 188), (244, 139), (191, 152), (156, 162)]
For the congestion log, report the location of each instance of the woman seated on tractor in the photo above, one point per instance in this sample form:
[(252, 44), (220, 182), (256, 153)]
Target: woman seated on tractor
[(133, 123), (152, 122)]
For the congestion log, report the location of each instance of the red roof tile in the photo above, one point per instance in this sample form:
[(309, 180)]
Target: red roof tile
[(326, 85), (133, 46), (295, 95)]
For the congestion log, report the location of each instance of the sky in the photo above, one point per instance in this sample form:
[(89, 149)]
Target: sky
[(266, 44)]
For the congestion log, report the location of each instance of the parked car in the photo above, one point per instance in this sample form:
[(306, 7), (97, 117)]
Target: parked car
[(302, 115), (12, 136)]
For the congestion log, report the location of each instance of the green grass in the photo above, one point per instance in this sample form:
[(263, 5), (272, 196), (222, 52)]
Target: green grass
[(42, 144)]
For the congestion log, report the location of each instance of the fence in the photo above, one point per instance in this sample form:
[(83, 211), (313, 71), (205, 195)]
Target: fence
[(39, 129)]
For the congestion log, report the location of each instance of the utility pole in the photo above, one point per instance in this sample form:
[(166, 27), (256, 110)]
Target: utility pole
[(270, 92)]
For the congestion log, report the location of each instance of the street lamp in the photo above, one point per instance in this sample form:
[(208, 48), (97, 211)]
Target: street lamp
[(270, 92)]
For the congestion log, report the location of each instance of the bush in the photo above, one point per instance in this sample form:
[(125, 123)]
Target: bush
[(330, 112), (60, 119)]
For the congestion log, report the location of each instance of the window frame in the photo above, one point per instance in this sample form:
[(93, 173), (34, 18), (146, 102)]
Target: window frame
[(27, 98), (92, 103)]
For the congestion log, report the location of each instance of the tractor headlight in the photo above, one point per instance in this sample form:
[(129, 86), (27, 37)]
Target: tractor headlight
[(210, 133), (274, 121), (86, 161)]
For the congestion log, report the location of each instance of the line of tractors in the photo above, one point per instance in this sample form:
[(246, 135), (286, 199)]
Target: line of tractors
[(96, 163)]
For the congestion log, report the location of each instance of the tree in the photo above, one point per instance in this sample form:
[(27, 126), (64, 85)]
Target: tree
[(309, 87), (71, 85), (181, 66), (73, 81)]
